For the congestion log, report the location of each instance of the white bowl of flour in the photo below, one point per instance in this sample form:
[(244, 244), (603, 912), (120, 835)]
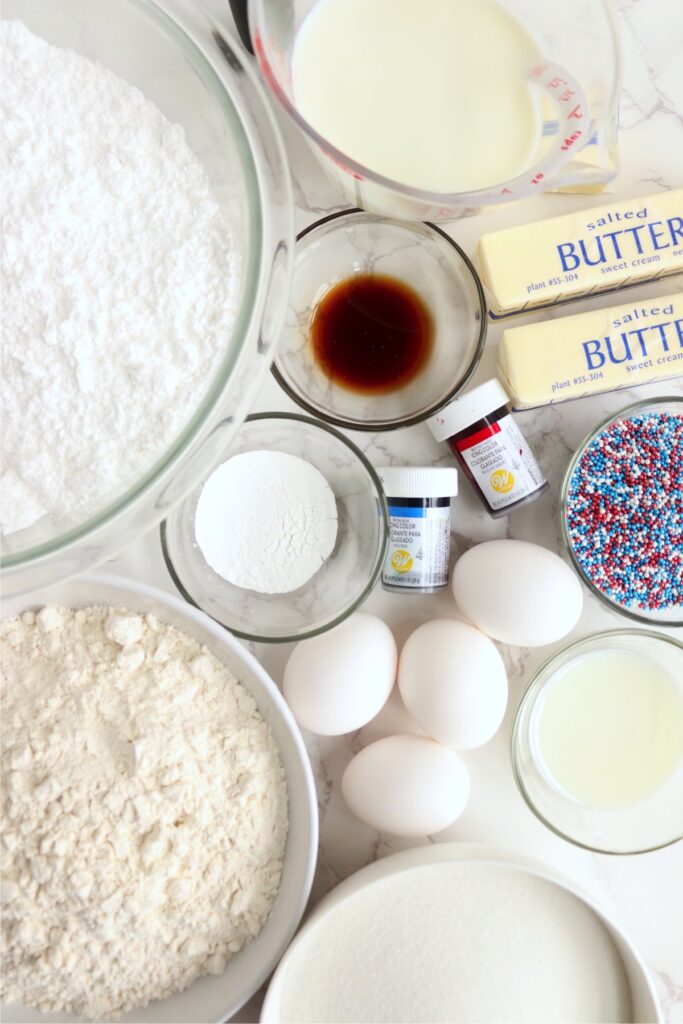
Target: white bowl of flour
[(145, 259), (212, 997)]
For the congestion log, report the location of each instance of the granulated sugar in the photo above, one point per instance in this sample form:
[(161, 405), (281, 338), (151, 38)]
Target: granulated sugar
[(119, 277), (457, 943), (144, 811)]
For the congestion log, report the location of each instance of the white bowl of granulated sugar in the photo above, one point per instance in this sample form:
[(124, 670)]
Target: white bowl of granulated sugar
[(163, 807)]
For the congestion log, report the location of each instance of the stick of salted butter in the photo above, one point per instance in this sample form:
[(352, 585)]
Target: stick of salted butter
[(596, 250), (592, 352)]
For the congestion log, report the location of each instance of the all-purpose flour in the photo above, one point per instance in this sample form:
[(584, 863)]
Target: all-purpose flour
[(144, 811), (119, 281)]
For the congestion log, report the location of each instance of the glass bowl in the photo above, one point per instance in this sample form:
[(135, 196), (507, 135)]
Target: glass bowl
[(672, 616), (652, 822), (344, 580), (422, 256), (186, 64)]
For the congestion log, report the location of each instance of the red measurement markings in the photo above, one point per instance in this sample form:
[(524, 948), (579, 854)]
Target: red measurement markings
[(569, 142), (268, 73)]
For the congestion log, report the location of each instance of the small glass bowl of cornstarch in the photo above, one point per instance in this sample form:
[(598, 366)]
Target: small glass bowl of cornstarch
[(287, 537)]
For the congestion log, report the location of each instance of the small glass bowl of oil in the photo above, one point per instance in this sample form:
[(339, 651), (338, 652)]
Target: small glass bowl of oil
[(597, 744), (386, 322)]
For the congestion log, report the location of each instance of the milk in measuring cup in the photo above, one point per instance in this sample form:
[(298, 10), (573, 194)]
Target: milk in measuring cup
[(430, 93)]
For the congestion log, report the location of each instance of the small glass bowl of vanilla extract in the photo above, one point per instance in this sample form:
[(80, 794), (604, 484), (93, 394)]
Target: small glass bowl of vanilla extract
[(386, 322)]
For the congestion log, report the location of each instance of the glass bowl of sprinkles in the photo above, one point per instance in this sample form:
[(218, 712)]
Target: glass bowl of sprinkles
[(622, 511)]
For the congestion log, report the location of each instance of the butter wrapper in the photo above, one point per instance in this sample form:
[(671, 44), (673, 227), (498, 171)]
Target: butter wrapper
[(552, 261), (603, 350)]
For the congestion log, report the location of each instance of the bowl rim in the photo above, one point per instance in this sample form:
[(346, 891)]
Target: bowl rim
[(625, 413), (184, 30), (379, 559), (531, 693), (380, 425), (307, 796)]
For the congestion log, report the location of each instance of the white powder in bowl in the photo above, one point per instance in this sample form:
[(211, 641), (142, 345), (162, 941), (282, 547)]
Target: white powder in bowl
[(266, 521), (120, 280), (144, 811), (457, 943)]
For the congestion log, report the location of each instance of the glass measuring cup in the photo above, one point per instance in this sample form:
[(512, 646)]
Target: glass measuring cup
[(576, 82)]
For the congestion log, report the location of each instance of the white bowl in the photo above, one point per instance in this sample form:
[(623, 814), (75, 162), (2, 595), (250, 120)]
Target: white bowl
[(645, 1007), (213, 998)]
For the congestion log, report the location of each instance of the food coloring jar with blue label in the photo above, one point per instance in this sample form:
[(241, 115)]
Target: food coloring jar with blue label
[(419, 506)]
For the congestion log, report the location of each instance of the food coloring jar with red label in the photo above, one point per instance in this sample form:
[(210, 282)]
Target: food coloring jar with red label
[(482, 434), (419, 505)]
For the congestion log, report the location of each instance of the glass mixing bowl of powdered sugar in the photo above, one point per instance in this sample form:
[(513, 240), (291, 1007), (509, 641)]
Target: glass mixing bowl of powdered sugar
[(148, 227)]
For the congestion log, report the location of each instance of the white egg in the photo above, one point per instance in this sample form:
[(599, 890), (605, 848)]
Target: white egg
[(406, 785), (517, 592), (336, 682), (453, 682)]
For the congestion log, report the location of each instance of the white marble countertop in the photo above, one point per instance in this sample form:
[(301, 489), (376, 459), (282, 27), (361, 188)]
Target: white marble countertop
[(644, 894)]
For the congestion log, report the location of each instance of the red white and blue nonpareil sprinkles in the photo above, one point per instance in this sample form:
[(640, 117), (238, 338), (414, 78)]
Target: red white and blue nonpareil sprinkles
[(624, 512)]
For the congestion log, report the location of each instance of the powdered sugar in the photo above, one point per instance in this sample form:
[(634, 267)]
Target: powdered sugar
[(144, 811), (120, 281)]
